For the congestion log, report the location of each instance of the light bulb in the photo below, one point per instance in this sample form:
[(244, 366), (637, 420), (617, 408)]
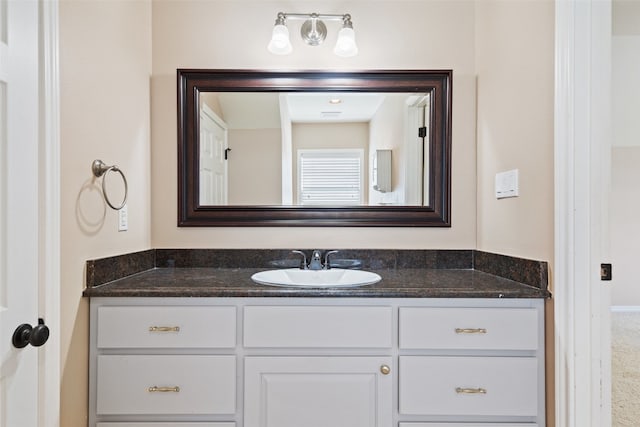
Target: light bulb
[(346, 44), (280, 43)]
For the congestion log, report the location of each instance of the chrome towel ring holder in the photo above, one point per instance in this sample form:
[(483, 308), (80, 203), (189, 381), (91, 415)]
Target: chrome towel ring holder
[(100, 169)]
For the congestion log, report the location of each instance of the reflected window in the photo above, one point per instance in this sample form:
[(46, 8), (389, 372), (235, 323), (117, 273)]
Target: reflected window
[(330, 177)]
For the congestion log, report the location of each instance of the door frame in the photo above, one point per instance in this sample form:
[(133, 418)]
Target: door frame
[(49, 219), (582, 172)]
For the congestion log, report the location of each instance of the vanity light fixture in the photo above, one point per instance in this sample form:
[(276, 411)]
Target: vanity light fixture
[(313, 31)]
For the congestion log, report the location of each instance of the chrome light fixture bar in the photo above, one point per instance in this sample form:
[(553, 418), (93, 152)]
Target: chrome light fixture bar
[(313, 31)]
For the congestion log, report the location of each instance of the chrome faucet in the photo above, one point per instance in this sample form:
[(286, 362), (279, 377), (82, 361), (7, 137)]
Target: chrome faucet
[(316, 260)]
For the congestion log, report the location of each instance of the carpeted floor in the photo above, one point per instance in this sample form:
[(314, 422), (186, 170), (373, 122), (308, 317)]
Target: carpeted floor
[(625, 368)]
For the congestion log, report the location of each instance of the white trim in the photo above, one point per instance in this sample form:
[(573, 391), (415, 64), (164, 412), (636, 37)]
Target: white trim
[(287, 151), (582, 130), (563, 175), (49, 392), (625, 308)]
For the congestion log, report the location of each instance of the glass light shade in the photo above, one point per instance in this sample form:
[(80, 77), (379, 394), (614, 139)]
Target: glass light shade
[(346, 44), (280, 43)]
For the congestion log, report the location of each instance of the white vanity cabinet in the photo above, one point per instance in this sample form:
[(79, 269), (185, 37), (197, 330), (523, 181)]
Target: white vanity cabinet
[(316, 362)]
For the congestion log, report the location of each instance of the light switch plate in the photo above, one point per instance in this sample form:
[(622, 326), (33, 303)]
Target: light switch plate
[(507, 184), (123, 219)]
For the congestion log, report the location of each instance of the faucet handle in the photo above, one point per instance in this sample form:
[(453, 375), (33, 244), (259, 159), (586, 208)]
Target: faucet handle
[(327, 265), (303, 265)]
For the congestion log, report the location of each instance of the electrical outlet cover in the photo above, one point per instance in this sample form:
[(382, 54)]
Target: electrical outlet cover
[(123, 219), (507, 184)]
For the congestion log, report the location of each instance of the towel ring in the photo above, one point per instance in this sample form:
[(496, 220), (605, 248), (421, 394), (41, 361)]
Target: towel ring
[(99, 169)]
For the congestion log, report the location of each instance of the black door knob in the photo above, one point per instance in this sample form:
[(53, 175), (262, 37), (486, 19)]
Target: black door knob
[(26, 334)]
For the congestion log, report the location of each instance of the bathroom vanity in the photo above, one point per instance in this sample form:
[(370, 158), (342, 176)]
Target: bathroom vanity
[(424, 347)]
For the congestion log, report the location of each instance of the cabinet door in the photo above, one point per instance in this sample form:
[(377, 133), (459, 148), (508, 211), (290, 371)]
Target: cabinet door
[(318, 391)]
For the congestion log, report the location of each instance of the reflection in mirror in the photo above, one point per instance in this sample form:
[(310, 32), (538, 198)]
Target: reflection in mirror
[(298, 148), (309, 148)]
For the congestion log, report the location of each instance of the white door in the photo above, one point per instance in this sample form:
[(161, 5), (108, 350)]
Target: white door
[(318, 392), (213, 159), (19, 210)]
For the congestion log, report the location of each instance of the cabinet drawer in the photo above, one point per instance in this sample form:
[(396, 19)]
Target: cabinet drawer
[(318, 327), (467, 425), (166, 327), (473, 386), (144, 384), (194, 424), (468, 328)]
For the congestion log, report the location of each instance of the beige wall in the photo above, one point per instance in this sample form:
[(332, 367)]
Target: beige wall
[(515, 111), (514, 62), (625, 17), (624, 223), (391, 34), (105, 63), (334, 135), (255, 167), (387, 132), (321, 135)]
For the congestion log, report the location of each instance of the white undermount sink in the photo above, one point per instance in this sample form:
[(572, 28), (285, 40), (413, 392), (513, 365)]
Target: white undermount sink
[(332, 278)]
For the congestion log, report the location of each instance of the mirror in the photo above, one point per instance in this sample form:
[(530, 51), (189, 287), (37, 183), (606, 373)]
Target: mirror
[(258, 148), (313, 149)]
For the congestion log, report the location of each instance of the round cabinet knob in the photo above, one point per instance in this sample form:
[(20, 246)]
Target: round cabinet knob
[(385, 369), (25, 334)]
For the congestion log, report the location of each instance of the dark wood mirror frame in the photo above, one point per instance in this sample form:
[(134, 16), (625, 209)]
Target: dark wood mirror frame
[(191, 82)]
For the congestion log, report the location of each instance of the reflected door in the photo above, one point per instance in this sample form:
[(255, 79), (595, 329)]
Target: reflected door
[(417, 127), (213, 158)]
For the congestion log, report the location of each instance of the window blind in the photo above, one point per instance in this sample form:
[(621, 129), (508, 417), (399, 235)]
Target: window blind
[(330, 177)]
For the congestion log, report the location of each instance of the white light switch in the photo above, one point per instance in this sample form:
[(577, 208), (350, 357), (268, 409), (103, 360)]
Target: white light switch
[(507, 184), (123, 219)]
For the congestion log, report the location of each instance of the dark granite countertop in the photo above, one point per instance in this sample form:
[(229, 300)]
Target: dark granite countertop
[(236, 282), (463, 273)]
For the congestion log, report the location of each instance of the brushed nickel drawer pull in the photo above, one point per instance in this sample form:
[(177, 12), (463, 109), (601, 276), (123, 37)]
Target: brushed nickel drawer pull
[(463, 390), (156, 389), (471, 331), (164, 328)]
